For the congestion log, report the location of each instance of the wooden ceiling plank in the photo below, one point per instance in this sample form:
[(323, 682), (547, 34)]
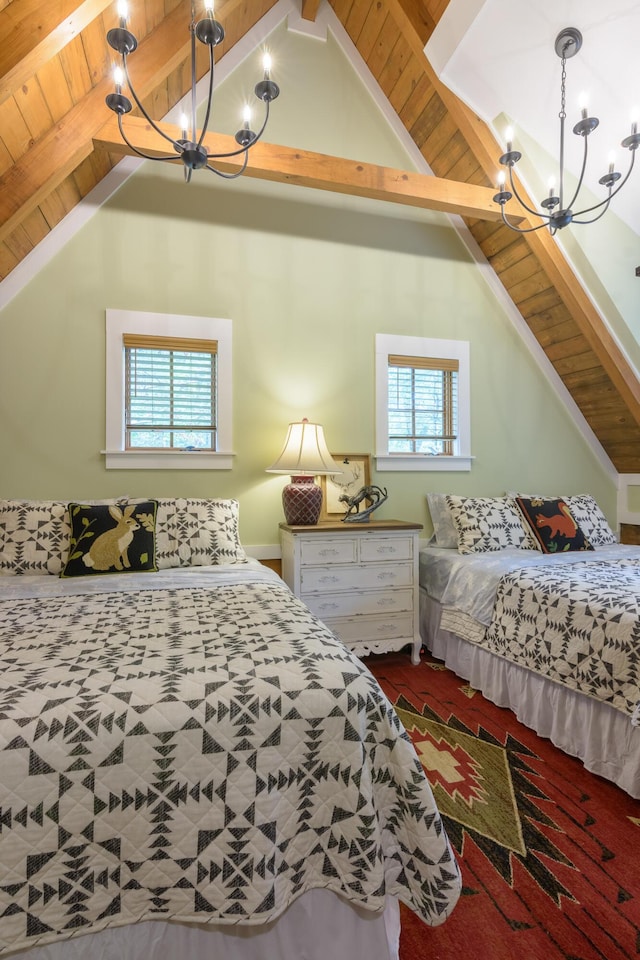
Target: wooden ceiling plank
[(99, 55), (33, 107), (342, 9), (371, 28), (411, 76), (319, 171), (508, 256), (385, 42), (76, 69), (433, 114), (356, 19), (19, 243), (394, 66), (8, 261), (54, 87), (416, 103), (22, 25), (15, 132), (36, 226)]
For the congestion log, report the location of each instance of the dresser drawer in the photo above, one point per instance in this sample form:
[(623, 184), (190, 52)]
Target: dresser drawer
[(352, 604), (386, 548), (370, 629), (336, 550), (369, 576)]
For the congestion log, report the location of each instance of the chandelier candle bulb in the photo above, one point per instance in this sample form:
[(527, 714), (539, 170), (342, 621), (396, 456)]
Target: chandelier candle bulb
[(509, 138), (122, 13), (266, 63)]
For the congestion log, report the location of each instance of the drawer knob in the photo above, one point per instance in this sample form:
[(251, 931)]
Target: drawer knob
[(386, 549), (328, 606), (386, 602), (386, 575), (329, 552), (383, 627), (329, 579)]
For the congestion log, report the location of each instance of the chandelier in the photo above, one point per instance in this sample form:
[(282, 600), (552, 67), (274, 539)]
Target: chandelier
[(557, 211), (190, 147)]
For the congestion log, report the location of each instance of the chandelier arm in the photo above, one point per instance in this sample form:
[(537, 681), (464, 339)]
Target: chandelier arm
[(517, 229), (146, 115), (246, 147), (601, 214), (145, 156), (230, 176), (612, 193), (536, 213), (209, 98)]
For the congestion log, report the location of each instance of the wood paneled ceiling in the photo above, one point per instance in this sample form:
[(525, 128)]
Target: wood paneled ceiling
[(56, 144)]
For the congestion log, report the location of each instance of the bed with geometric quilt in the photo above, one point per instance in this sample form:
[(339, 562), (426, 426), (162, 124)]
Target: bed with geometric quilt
[(191, 749), (554, 636)]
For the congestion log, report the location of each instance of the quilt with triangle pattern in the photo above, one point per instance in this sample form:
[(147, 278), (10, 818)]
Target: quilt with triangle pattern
[(197, 749), (578, 625)]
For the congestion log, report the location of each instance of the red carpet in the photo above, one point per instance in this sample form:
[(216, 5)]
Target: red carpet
[(550, 854)]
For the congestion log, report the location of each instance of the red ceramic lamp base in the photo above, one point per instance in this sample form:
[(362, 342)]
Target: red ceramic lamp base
[(302, 501)]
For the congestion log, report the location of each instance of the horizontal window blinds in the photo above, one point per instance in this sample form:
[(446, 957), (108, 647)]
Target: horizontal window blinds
[(423, 403), (170, 392)]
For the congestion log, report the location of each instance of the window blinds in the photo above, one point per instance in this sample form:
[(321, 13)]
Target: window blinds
[(423, 403), (170, 392)]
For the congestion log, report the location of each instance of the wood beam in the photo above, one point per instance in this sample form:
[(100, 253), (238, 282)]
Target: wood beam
[(34, 31), (310, 9), (319, 171), (57, 153)]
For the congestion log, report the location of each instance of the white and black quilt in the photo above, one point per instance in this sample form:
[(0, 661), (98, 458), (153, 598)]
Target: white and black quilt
[(577, 624), (197, 748)]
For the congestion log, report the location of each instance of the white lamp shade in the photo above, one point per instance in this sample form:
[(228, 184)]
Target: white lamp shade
[(305, 452)]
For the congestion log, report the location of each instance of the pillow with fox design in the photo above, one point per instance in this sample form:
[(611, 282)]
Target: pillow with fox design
[(553, 525), (112, 538)]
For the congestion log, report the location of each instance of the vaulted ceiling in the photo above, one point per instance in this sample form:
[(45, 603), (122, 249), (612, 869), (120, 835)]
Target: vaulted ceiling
[(57, 143)]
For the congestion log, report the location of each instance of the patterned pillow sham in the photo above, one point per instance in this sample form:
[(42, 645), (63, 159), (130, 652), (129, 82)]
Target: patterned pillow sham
[(444, 528), (111, 538), (487, 524), (34, 536), (553, 525), (587, 513), (192, 532)]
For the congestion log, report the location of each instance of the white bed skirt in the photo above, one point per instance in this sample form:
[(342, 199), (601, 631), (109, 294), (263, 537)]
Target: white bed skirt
[(319, 924), (602, 737)]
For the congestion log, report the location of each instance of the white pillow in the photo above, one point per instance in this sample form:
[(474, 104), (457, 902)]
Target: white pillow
[(487, 524), (444, 528)]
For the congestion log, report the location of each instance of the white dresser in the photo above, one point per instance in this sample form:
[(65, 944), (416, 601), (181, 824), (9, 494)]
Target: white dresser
[(359, 579)]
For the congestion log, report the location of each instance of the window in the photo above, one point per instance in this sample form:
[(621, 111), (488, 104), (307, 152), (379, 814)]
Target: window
[(168, 391), (422, 404)]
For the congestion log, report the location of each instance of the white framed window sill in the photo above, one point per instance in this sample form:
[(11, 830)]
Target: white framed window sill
[(167, 460), (422, 461)]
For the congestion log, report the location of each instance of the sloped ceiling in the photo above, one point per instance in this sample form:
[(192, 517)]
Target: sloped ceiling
[(55, 147)]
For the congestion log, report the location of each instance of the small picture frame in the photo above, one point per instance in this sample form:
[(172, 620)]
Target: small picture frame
[(357, 474)]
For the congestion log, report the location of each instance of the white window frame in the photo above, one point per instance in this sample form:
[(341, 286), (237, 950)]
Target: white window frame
[(119, 322), (389, 345)]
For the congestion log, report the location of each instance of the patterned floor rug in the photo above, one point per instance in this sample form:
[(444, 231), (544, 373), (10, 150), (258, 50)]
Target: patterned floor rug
[(550, 854)]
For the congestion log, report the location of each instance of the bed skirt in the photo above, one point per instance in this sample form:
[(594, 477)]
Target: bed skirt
[(600, 736), (317, 925)]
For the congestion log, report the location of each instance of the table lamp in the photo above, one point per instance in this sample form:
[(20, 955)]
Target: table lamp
[(304, 456)]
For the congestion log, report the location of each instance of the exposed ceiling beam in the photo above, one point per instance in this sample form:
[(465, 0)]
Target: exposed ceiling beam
[(319, 171), (310, 9), (34, 31)]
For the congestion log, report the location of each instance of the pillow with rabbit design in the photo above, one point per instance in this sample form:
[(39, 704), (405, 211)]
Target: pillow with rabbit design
[(112, 538)]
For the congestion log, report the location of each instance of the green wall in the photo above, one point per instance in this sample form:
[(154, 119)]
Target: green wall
[(308, 279)]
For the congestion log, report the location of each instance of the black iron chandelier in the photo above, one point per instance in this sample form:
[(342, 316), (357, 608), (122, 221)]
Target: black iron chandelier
[(190, 147), (557, 212)]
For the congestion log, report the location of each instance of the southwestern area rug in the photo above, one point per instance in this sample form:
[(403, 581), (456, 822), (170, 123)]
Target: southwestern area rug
[(550, 854)]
